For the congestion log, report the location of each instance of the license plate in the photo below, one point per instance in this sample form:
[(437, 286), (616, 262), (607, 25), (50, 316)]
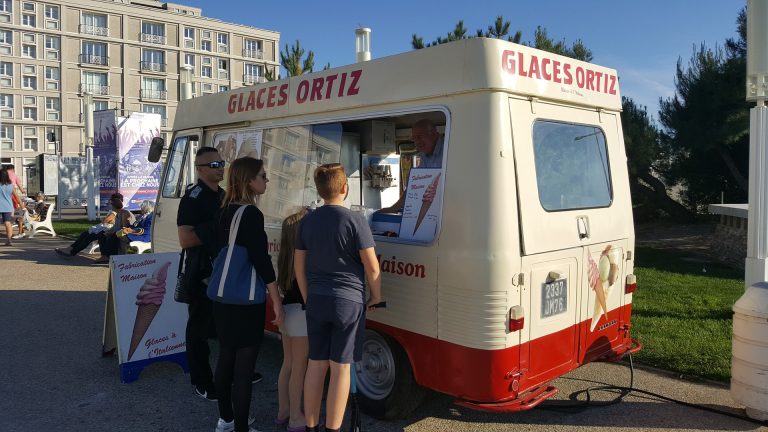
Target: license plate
[(554, 298)]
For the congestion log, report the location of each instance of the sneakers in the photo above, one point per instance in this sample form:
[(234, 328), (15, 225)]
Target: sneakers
[(206, 393), (229, 426), (19, 236), (256, 378)]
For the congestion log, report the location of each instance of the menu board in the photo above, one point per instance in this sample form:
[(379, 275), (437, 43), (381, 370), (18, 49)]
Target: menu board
[(423, 201)]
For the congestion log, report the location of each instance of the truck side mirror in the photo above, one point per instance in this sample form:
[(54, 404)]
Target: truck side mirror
[(155, 149)]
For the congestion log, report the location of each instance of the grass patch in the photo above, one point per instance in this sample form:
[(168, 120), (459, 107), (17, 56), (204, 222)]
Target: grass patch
[(682, 314), (72, 227)]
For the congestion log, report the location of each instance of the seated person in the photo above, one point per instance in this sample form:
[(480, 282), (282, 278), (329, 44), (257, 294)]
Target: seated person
[(22, 217), (109, 242), (87, 237), (38, 209), (429, 143), (139, 230)]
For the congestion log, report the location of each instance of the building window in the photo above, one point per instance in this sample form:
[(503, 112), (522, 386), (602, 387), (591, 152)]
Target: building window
[(94, 53), (153, 32), (30, 144), (223, 88), (207, 88), (222, 40), (29, 51), (51, 132), (30, 113), (223, 68), (206, 72), (189, 60), (52, 103), (205, 45), (156, 109), (52, 47), (189, 37), (153, 60), (6, 137), (28, 7), (28, 20), (30, 100), (6, 100), (6, 37), (94, 82), (51, 17), (52, 108), (153, 88), (100, 105), (29, 82), (206, 34), (6, 74), (52, 76), (52, 12), (93, 24), (252, 49), (30, 69), (253, 73), (6, 6)]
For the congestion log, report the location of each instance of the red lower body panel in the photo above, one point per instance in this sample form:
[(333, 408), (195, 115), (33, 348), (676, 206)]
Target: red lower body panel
[(483, 377)]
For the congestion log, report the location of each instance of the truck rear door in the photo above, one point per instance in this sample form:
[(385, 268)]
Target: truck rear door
[(570, 211)]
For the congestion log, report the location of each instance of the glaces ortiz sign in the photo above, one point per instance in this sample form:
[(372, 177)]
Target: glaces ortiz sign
[(331, 86), (548, 69)]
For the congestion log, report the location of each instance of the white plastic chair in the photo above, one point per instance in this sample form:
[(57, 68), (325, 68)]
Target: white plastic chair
[(140, 246), (46, 226)]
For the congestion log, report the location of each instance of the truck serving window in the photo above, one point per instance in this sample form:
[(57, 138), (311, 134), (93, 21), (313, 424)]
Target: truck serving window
[(572, 169)]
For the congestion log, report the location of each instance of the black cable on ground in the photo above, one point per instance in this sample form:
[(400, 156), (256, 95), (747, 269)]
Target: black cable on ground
[(623, 392)]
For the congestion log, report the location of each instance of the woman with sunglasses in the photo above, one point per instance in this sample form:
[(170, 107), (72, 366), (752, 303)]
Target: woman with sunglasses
[(241, 327)]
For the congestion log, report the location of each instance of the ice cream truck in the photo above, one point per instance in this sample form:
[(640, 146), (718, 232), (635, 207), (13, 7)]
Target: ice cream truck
[(510, 264)]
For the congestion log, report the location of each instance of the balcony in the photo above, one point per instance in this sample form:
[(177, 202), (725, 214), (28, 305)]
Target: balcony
[(148, 66), (94, 30), (152, 38), (95, 89), (91, 59), (253, 79), (253, 53), (223, 74), (153, 94)]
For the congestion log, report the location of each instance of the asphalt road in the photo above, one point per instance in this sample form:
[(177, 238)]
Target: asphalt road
[(52, 377)]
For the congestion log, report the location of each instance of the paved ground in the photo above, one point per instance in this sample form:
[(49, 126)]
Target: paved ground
[(53, 378)]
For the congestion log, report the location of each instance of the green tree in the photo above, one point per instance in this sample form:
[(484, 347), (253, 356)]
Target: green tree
[(294, 62), (500, 30), (646, 158), (270, 76), (706, 124)]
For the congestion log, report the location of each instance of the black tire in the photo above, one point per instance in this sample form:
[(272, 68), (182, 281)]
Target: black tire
[(386, 388)]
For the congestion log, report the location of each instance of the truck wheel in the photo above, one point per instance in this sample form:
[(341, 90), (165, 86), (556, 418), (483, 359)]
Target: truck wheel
[(385, 383)]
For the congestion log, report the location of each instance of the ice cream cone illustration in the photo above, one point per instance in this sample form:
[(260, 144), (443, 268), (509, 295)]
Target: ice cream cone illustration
[(149, 299), (426, 201), (602, 276)]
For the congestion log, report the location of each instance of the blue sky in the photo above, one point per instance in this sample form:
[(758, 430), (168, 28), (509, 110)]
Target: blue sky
[(643, 40)]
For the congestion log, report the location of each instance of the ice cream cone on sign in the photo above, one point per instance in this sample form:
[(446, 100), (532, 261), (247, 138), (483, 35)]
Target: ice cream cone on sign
[(149, 299), (426, 201), (597, 285)]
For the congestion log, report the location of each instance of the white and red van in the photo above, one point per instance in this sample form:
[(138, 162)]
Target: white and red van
[(524, 268)]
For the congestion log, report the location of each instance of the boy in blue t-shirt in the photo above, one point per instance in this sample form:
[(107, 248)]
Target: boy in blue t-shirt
[(334, 254)]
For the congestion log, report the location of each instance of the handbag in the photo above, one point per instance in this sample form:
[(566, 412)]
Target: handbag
[(234, 280)]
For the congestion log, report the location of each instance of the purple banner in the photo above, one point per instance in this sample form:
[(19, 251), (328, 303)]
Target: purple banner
[(139, 179)]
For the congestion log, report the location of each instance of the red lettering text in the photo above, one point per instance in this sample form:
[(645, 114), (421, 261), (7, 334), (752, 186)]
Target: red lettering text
[(317, 87), (260, 98), (271, 100), (232, 106), (302, 91), (329, 84), (353, 88), (283, 95)]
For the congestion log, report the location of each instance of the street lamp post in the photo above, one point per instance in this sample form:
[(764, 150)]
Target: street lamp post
[(749, 364), (90, 186)]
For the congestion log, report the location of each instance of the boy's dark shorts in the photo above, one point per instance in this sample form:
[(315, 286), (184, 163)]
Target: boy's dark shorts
[(335, 329), (6, 217)]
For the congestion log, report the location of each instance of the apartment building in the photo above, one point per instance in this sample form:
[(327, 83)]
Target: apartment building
[(127, 53)]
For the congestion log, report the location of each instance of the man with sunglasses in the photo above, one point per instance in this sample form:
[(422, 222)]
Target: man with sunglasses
[(196, 212)]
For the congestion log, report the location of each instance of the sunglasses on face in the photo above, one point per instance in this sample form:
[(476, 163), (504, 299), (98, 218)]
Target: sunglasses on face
[(213, 164)]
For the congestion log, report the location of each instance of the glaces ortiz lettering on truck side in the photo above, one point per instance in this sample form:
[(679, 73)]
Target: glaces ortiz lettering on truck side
[(314, 89), (548, 69)]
